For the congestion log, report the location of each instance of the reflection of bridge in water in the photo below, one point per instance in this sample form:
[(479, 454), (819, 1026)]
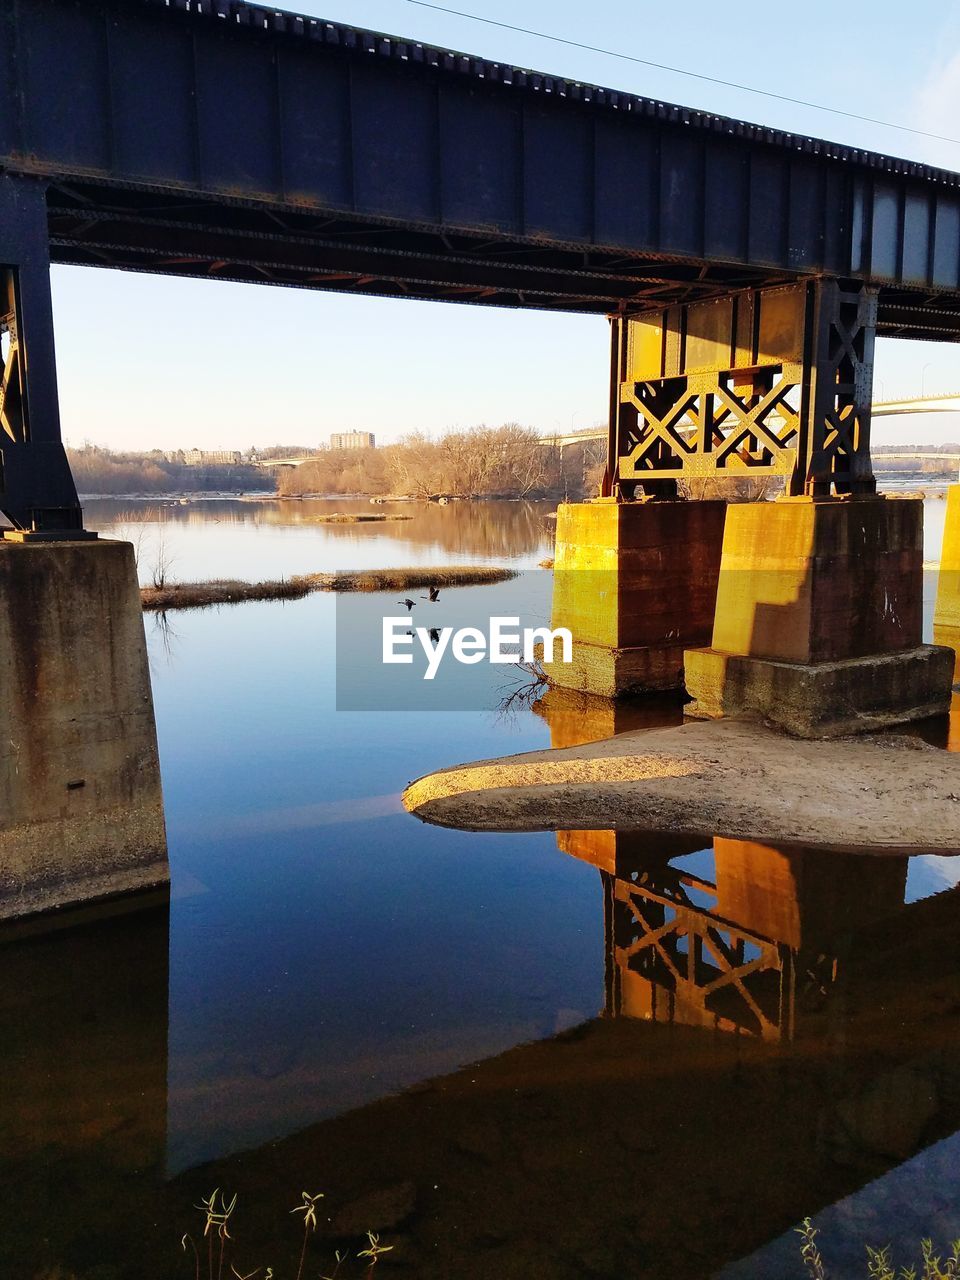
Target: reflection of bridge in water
[(774, 1034), (743, 951)]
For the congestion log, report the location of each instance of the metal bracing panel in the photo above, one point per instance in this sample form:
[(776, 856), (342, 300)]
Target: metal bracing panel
[(764, 382)]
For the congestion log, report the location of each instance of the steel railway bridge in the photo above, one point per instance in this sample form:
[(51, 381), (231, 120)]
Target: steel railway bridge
[(747, 269)]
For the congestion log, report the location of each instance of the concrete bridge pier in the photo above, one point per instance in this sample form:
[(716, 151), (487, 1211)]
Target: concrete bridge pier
[(81, 813), (818, 621), (813, 604), (636, 584), (81, 810)]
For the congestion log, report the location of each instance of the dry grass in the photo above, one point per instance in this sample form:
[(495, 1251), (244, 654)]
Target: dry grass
[(200, 595), (365, 517), (407, 579)]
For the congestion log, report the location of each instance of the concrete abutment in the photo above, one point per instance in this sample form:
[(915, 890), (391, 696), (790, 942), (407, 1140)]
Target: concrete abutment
[(81, 809)]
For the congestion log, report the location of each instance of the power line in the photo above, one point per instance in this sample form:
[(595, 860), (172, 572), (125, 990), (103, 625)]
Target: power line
[(680, 71)]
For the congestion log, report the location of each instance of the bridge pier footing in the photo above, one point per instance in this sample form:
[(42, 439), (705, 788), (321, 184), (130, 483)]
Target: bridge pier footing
[(818, 619), (636, 584), (81, 811)]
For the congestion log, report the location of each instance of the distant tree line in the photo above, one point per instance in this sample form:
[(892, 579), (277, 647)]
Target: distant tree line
[(950, 447), (102, 471), (509, 461)]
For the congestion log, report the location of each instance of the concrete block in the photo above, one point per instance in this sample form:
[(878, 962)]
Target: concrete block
[(635, 583), (824, 699), (616, 673), (81, 809), (820, 579)]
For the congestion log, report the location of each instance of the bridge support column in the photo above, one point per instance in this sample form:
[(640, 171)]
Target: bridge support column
[(81, 812), (635, 583), (37, 493), (818, 621)]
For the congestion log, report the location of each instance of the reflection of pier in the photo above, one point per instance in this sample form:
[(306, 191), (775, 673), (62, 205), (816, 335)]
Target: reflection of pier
[(742, 952), (748, 952), (83, 1117), (771, 1045), (670, 959)]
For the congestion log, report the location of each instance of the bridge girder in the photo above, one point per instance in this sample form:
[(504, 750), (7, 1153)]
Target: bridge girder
[(299, 151)]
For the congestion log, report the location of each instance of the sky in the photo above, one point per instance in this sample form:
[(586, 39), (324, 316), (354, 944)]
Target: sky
[(155, 362)]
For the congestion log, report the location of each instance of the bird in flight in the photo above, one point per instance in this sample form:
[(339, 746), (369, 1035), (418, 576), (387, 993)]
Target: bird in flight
[(434, 595), (408, 604)]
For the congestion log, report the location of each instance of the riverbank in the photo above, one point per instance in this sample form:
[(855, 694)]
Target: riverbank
[(199, 595), (888, 793)]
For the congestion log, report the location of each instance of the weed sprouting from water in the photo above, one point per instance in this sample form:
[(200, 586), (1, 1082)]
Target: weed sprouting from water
[(217, 1211), (529, 684), (340, 1259), (809, 1251), (373, 1251), (880, 1264), (309, 1211), (218, 1218), (188, 1239)]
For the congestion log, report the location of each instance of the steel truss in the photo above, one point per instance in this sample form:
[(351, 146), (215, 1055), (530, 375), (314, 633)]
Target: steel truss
[(769, 382)]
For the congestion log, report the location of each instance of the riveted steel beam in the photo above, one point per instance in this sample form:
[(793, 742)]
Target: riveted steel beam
[(37, 493)]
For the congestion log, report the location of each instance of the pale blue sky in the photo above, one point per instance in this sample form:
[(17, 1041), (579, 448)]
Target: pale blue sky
[(154, 362)]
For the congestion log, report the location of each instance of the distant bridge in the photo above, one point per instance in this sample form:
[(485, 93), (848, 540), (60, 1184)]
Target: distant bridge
[(272, 463), (948, 403), (900, 454)]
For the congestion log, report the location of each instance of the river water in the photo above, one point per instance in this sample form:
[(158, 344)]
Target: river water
[(495, 1050)]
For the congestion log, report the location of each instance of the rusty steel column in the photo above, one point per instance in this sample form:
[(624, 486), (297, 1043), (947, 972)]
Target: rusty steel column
[(37, 492)]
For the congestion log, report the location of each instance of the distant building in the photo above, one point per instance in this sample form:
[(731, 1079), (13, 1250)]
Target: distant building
[(212, 457), (352, 440)]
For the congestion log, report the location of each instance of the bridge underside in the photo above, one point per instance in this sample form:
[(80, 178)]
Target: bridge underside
[(240, 240), (162, 232)]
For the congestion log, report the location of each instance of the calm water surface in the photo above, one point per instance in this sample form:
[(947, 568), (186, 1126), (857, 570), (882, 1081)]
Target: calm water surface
[(557, 1054)]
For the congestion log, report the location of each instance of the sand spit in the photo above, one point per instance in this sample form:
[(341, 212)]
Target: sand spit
[(888, 792)]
